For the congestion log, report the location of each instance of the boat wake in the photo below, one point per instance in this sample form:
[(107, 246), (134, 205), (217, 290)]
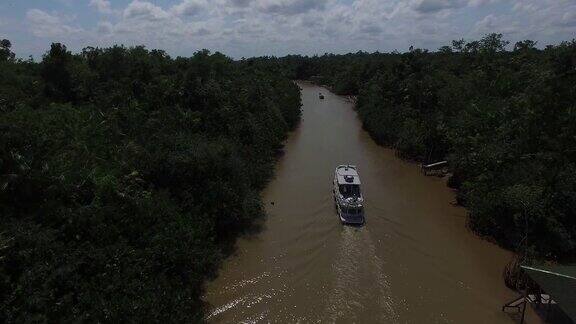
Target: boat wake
[(359, 276)]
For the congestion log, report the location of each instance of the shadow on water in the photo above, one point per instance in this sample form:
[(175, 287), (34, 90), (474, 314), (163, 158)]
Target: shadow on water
[(252, 228)]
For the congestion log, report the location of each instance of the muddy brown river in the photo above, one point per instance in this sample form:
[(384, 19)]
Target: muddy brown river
[(414, 261)]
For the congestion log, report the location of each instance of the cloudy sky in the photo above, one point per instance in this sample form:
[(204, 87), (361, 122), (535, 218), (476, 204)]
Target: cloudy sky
[(278, 27)]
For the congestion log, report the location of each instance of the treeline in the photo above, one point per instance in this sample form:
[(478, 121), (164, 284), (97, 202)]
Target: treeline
[(123, 174), (504, 118)]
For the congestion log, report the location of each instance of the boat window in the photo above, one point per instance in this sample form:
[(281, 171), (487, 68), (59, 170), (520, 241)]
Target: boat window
[(349, 190), (353, 211)]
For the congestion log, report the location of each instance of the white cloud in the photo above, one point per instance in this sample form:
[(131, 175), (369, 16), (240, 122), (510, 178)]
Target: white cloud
[(478, 3), (371, 29), (277, 27), (290, 7), (569, 18), (488, 23), (432, 6), (240, 3), (189, 7), (144, 10), (524, 6), (43, 24), (105, 28), (103, 6)]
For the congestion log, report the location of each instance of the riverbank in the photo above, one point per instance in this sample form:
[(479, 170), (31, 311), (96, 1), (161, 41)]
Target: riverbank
[(414, 261)]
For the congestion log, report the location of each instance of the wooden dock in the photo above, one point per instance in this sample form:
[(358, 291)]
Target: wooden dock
[(437, 168)]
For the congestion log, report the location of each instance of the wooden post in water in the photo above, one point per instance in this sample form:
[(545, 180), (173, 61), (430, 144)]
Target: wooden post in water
[(524, 307)]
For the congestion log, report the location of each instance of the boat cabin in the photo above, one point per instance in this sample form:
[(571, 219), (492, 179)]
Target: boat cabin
[(347, 194)]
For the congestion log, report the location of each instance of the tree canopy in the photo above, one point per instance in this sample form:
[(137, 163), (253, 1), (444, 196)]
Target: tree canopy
[(124, 173)]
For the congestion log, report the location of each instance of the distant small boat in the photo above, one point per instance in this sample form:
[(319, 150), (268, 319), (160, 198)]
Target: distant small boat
[(347, 195), (321, 96)]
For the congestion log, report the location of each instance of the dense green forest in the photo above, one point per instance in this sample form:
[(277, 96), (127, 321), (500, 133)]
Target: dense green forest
[(125, 173), (503, 116)]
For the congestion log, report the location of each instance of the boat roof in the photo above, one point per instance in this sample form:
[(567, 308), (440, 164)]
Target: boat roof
[(559, 281), (347, 174)]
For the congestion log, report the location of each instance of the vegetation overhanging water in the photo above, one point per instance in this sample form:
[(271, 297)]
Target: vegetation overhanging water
[(124, 171)]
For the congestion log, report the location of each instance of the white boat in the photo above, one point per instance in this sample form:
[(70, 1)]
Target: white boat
[(347, 195)]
